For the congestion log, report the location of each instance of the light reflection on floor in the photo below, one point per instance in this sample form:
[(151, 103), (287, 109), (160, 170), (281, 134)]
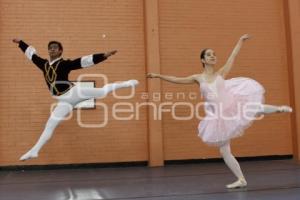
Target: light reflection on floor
[(83, 194)]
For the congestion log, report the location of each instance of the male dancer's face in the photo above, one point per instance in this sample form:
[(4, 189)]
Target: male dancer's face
[(54, 51)]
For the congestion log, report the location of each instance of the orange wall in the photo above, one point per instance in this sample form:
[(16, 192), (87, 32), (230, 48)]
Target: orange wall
[(158, 36), (293, 32), (188, 26), (25, 99)]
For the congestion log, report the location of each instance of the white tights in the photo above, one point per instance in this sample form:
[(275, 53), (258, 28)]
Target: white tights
[(269, 109), (225, 149), (230, 160), (65, 105)]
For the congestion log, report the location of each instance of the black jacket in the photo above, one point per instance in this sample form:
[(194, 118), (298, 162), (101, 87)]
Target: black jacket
[(56, 74)]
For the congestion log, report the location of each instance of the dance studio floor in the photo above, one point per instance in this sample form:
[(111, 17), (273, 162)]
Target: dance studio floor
[(268, 179)]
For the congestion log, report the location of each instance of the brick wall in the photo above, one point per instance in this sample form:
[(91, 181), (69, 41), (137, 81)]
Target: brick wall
[(25, 100), (188, 26), (185, 27)]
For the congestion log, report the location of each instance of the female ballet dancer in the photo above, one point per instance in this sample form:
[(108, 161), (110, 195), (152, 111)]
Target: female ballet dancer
[(224, 99), (68, 95)]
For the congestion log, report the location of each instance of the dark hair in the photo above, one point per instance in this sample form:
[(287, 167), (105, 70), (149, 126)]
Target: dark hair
[(56, 42), (202, 54)]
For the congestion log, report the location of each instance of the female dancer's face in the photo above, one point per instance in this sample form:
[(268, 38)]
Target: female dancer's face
[(209, 57), (54, 51)]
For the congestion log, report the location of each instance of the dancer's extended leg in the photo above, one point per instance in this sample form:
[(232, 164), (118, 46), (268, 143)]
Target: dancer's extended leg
[(87, 93), (269, 109), (65, 106), (61, 110)]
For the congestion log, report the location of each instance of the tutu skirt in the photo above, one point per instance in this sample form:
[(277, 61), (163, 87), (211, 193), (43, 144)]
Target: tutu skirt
[(240, 99)]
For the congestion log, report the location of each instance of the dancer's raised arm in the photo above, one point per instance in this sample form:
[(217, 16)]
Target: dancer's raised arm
[(227, 67), (89, 60), (30, 53)]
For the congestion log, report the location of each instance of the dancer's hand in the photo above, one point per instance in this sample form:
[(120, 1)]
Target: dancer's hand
[(152, 75), (245, 37), (15, 40), (110, 53)]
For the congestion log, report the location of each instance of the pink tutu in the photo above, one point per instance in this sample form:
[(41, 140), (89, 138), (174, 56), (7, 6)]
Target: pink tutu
[(230, 107)]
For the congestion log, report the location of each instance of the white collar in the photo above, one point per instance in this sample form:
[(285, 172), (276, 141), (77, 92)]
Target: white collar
[(53, 61)]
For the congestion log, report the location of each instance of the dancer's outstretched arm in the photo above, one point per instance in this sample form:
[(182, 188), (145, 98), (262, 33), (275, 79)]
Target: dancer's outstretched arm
[(30, 53), (180, 80), (90, 60), (227, 67)]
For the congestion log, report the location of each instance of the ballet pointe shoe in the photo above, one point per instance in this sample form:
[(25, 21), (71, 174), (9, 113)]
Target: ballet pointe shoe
[(285, 109), (29, 155), (240, 183)]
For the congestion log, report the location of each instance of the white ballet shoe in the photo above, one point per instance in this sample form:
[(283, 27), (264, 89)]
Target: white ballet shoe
[(132, 83), (240, 183), (28, 155), (287, 109)]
